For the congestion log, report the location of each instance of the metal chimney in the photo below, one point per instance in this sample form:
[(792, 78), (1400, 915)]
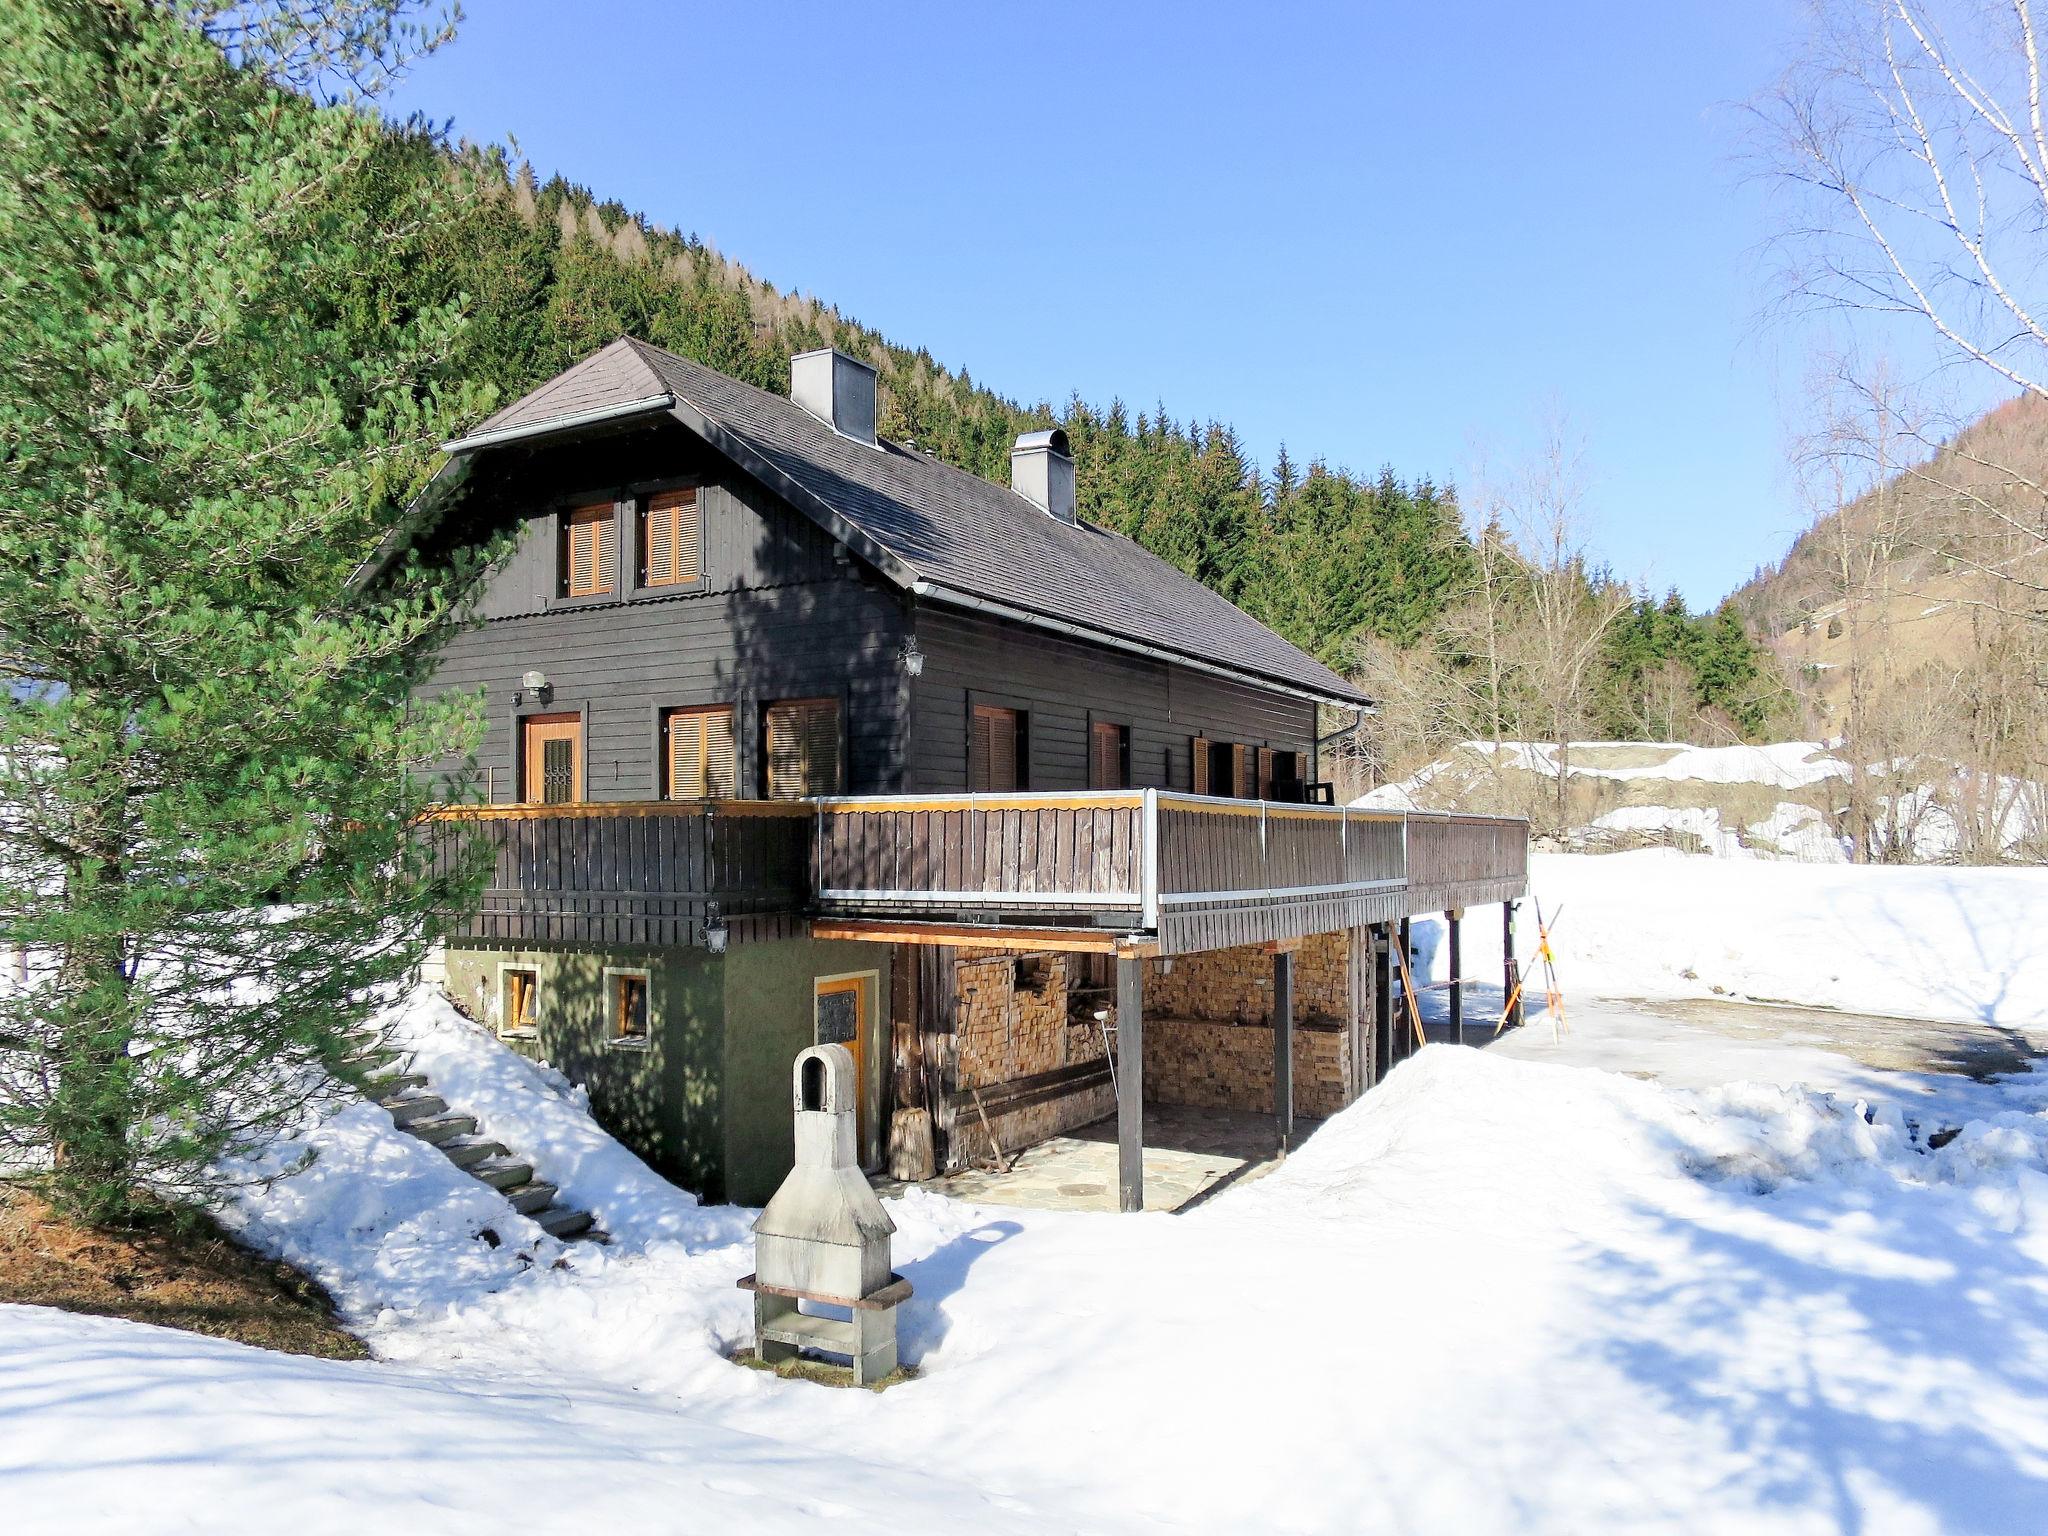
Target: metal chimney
[(1042, 472), (837, 389)]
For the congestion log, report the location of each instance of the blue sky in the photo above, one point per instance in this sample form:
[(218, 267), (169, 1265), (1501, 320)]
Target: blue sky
[(1386, 233)]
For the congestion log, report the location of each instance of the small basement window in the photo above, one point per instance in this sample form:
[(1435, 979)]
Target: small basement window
[(628, 1007), (519, 1000)]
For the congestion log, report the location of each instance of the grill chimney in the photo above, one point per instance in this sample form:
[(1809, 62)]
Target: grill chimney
[(1042, 472), (837, 389)]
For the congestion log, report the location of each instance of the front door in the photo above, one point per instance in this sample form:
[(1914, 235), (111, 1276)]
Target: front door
[(843, 1007), (551, 749)]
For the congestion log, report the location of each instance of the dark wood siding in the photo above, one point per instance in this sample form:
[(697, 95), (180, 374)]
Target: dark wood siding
[(975, 658), (780, 613)]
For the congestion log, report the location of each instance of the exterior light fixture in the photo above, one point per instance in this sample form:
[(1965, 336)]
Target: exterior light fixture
[(716, 934), (533, 685), (913, 658)]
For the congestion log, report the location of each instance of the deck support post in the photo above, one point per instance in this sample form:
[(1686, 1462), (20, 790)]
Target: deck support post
[(1404, 967), (1453, 922), (1511, 968), (1283, 1049), (1382, 1001), (1130, 1083)]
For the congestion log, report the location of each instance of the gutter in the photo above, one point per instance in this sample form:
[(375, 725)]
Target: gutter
[(957, 598), (554, 424)]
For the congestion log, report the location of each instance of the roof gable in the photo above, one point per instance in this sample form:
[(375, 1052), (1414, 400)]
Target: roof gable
[(929, 525)]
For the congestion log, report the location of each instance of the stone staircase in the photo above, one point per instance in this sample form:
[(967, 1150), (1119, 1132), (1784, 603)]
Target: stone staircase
[(419, 1111)]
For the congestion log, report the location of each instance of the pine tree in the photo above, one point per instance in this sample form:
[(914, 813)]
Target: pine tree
[(209, 421)]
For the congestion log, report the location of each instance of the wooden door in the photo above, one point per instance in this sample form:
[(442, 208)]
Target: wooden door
[(843, 1008), (551, 752)]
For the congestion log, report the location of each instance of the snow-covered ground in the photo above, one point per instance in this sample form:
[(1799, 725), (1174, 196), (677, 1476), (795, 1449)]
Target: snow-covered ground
[(1779, 800), (1914, 941), (1501, 1293)]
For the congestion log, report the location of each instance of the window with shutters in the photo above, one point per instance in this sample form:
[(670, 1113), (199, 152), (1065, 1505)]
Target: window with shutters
[(671, 539), (1109, 755), (700, 760), (801, 748), (995, 749), (1287, 775), (1218, 767), (590, 548)]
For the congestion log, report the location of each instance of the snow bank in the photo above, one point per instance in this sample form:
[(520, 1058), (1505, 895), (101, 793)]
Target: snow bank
[(1494, 1296), (541, 1116), (1913, 942)]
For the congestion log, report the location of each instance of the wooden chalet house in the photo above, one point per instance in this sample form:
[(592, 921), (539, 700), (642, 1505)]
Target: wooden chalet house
[(798, 734)]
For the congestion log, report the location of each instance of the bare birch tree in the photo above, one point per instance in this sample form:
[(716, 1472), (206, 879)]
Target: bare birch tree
[(1910, 142)]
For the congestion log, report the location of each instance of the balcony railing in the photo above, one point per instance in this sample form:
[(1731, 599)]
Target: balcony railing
[(640, 872), (1177, 872)]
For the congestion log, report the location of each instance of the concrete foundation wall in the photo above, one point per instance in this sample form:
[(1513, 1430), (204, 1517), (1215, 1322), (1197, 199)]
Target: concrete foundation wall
[(705, 1100), (664, 1098)]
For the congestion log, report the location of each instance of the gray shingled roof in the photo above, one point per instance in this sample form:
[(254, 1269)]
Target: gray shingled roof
[(928, 522)]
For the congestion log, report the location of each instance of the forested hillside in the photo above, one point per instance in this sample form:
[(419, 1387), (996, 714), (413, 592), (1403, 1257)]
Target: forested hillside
[(1329, 558)]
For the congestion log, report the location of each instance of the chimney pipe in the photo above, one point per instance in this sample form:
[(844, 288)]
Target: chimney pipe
[(1042, 472), (837, 389)]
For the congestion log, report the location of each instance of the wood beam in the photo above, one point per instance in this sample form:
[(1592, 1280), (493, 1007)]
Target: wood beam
[(1511, 968), (1454, 921), (1087, 941), (1130, 1083), (1382, 1002), (1283, 1049)]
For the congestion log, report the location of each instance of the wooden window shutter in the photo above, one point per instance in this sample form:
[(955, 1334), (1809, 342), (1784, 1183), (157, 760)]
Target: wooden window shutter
[(992, 750), (1240, 776), (702, 761), (721, 756), (803, 748), (1266, 760), (589, 549), (1200, 752), (671, 539), (1107, 768)]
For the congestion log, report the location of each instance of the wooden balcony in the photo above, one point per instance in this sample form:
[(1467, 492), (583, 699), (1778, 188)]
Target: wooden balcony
[(640, 872), (1174, 873), (1139, 870)]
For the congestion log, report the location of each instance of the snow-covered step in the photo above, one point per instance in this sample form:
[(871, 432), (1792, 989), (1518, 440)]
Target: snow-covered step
[(467, 1152), (440, 1128), (391, 1084), (501, 1172), (413, 1106), (532, 1197), (565, 1223)]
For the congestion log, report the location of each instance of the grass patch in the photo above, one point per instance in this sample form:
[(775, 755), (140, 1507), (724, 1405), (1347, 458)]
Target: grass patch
[(823, 1372), (174, 1268)]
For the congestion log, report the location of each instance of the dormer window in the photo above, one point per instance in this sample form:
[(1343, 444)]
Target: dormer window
[(590, 549), (671, 539)]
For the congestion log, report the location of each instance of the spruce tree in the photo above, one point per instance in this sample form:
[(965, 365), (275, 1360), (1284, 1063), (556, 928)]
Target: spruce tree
[(206, 751)]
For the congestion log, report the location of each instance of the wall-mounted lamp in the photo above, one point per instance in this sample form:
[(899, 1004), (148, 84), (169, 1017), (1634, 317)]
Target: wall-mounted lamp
[(716, 935), (534, 686), (913, 658)]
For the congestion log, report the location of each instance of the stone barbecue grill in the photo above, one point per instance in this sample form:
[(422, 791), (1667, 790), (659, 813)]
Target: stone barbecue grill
[(824, 1237)]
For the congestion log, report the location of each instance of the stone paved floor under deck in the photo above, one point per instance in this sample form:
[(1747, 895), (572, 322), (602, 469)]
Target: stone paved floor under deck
[(1190, 1154)]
